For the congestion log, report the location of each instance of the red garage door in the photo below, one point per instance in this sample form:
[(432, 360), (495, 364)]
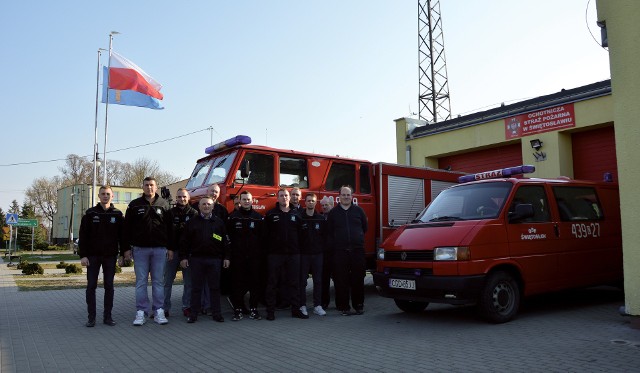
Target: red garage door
[(484, 160), (594, 153)]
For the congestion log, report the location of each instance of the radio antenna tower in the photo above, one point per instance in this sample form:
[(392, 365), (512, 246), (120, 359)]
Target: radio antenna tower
[(433, 93)]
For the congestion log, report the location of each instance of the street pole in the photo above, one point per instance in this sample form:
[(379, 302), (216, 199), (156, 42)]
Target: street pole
[(106, 111), (95, 133)]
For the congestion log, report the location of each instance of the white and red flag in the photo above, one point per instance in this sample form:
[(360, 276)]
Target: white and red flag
[(126, 75)]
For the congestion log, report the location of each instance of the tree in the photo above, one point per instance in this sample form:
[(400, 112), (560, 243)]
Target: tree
[(76, 170), (134, 173), (43, 195), (24, 233), (15, 207)]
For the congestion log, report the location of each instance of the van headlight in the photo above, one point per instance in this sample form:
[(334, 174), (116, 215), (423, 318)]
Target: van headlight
[(451, 253), (380, 254)]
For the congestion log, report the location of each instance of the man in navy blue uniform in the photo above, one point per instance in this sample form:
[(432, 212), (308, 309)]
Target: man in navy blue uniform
[(99, 244)]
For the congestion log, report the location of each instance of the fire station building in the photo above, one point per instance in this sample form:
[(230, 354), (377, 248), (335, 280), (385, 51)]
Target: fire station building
[(589, 132)]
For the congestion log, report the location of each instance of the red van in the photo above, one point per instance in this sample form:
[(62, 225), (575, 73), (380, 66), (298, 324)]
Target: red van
[(496, 239)]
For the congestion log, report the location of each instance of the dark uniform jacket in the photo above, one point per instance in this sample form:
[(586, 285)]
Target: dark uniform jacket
[(148, 225), (283, 231), (100, 232), (347, 227), (314, 230), (246, 231), (204, 237), (181, 215)]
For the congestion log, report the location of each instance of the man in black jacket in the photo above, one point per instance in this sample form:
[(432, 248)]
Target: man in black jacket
[(149, 240), (347, 224), (283, 225), (245, 228), (311, 254), (99, 244), (204, 246), (181, 213)]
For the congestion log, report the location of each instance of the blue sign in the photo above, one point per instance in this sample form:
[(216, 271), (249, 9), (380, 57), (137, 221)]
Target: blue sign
[(12, 219)]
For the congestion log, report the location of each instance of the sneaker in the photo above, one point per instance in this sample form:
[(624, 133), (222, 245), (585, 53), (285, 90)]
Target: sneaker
[(359, 311), (192, 318), (159, 317), (237, 315), (109, 321), (299, 315), (303, 309), (345, 312), (140, 318), (217, 318), (271, 316), (91, 323), (254, 314), (318, 310)]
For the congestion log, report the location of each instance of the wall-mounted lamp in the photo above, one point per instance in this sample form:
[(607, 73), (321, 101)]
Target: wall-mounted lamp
[(536, 144)]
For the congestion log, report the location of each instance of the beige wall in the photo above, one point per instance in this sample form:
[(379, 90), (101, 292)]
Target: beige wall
[(623, 28)]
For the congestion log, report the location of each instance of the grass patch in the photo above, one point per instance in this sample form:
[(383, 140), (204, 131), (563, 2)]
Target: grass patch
[(35, 258), (60, 281)]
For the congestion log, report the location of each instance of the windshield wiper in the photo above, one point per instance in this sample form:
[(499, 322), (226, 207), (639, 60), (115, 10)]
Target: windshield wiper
[(446, 218)]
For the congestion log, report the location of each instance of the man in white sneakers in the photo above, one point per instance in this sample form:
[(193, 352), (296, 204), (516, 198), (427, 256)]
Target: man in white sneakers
[(148, 240)]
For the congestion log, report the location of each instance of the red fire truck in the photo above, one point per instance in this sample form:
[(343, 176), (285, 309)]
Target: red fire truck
[(497, 237), (390, 194)]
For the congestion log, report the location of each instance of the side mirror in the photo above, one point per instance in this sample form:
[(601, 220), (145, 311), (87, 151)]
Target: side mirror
[(522, 211), (245, 169)]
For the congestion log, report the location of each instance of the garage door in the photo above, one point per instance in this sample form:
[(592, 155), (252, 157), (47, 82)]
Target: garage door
[(594, 153), (484, 160)]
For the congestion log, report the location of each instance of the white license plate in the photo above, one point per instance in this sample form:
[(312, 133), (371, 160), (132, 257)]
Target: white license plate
[(402, 284)]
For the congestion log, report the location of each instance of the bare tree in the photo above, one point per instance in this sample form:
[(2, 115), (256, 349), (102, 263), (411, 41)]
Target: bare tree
[(76, 170), (138, 170), (43, 196)]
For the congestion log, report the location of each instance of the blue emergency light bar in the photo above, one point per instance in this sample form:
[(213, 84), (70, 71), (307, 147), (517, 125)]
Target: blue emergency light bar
[(238, 140), (505, 172)]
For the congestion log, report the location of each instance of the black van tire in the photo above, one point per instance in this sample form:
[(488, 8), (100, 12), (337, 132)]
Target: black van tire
[(500, 298), (410, 306)]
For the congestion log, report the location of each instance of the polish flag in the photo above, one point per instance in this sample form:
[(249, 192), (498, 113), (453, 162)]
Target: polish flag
[(126, 75)]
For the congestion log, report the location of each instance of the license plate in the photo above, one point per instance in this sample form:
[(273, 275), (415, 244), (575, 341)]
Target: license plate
[(402, 284)]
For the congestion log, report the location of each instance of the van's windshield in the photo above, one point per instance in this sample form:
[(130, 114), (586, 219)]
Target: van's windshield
[(468, 202), (211, 171)]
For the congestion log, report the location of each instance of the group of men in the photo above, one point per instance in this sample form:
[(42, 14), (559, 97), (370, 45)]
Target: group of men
[(280, 249)]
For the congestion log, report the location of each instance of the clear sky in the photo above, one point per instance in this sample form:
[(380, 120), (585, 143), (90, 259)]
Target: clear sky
[(319, 76)]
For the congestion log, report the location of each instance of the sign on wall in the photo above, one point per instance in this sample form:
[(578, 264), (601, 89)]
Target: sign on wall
[(546, 120)]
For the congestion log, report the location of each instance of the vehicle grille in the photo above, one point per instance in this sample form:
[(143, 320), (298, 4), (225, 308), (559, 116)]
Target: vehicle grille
[(410, 271), (409, 256)]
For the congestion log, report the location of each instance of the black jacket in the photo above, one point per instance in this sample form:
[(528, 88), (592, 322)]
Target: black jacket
[(181, 215), (204, 238), (148, 225), (100, 232), (283, 231), (246, 232), (314, 230), (346, 227)]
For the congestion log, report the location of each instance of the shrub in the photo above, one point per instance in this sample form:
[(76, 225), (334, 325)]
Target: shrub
[(118, 269), (41, 246), (73, 268), (32, 269), (22, 264), (61, 265), (128, 263)]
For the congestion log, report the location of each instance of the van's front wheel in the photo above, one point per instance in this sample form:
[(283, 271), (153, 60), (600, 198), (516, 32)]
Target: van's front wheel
[(410, 306), (500, 298)]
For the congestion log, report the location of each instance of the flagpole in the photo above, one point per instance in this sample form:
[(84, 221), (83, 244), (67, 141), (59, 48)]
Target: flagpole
[(106, 110), (95, 134)]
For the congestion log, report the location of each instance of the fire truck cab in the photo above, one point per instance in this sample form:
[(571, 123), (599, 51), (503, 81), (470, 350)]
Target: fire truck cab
[(498, 238), (391, 195)]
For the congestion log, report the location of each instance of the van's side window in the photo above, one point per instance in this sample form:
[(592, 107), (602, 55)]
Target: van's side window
[(536, 196), (341, 174), (293, 172), (261, 167), (365, 181), (577, 203)]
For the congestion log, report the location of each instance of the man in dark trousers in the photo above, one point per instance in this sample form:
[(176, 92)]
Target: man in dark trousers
[(347, 224), (181, 213), (204, 246), (99, 244), (283, 226), (311, 254), (148, 228), (245, 228)]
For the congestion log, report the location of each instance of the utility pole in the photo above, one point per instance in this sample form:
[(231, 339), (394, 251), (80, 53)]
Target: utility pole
[(433, 92)]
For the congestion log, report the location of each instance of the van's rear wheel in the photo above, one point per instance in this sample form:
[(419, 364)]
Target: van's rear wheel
[(410, 306), (500, 298)]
